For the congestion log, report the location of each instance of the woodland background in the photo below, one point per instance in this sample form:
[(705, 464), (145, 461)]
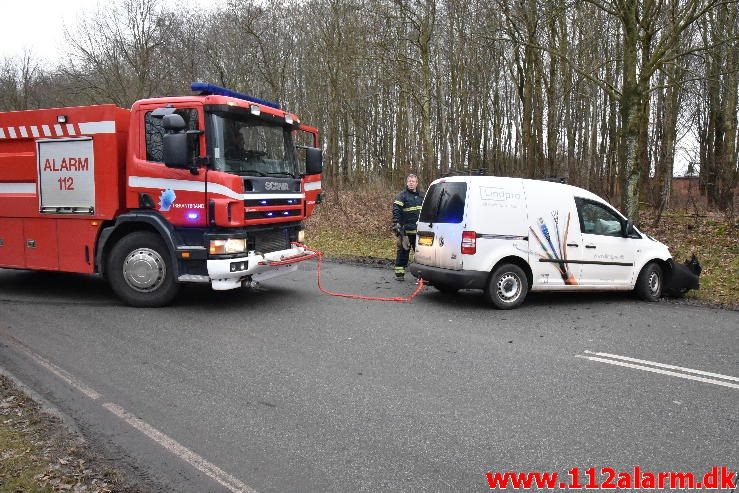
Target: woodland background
[(598, 91)]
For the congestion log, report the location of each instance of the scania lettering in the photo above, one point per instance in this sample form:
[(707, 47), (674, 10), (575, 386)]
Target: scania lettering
[(204, 188)]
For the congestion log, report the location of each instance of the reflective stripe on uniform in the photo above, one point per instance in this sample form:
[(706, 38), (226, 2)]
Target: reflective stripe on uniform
[(398, 202), (414, 208), (400, 270), (411, 232)]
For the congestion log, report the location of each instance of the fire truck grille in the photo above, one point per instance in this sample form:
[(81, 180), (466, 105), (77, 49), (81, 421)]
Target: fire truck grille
[(271, 241)]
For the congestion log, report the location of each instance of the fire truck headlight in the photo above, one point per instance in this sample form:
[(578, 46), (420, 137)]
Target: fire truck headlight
[(226, 247), (301, 236)]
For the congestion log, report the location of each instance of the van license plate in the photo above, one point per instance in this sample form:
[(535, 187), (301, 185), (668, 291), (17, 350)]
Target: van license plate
[(425, 240)]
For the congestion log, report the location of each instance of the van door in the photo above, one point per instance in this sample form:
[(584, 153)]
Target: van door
[(554, 237), (608, 257), (440, 225)]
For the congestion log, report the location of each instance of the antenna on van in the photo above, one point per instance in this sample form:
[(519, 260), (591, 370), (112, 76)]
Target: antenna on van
[(466, 172), (556, 179)]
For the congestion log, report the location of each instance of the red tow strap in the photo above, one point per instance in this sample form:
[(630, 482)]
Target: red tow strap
[(397, 299)]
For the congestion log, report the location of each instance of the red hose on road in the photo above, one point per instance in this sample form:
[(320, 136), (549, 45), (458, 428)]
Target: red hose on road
[(397, 299)]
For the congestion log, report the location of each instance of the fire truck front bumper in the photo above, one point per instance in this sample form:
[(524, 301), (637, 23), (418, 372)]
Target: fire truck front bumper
[(232, 273)]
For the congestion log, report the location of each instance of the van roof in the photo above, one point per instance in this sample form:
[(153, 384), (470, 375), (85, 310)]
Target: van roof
[(541, 184)]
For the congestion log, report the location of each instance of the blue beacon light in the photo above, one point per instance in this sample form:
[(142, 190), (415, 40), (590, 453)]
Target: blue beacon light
[(206, 89), (192, 216)]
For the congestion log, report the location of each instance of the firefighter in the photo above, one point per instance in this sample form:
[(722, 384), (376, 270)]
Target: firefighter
[(406, 208)]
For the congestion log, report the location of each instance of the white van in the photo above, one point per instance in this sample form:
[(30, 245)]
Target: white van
[(509, 236)]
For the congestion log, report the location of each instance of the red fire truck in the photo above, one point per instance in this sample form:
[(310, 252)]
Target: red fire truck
[(204, 188)]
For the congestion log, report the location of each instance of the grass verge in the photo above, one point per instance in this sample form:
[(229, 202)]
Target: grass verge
[(38, 454)]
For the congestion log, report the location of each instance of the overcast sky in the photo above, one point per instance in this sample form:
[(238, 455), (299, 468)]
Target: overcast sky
[(38, 25)]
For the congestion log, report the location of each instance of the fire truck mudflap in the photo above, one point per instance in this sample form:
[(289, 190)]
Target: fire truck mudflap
[(231, 273)]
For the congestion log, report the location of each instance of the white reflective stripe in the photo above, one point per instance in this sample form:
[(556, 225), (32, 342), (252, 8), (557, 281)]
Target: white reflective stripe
[(11, 132), (2, 133), (314, 185), (183, 185), (58, 130), (105, 127), (70, 128), (24, 132), (17, 188), (261, 196), (46, 130), (34, 131)]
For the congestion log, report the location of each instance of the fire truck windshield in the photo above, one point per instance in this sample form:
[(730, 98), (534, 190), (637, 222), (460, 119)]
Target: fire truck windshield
[(245, 145)]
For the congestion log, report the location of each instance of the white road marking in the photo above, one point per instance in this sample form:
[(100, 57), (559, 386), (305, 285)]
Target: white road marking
[(211, 470), (657, 370), (663, 365), (69, 379)]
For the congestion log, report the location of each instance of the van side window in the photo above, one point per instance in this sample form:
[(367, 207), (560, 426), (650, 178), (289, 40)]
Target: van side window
[(596, 219), (155, 133)]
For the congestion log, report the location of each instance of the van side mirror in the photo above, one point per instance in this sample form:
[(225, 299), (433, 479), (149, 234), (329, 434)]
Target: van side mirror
[(313, 161), (175, 149), (629, 229)]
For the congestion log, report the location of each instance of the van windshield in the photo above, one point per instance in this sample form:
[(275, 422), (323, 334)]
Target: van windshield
[(444, 203)]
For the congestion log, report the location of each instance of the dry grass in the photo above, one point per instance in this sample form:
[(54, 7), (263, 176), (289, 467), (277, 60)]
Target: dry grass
[(356, 223), (38, 455), (715, 241)]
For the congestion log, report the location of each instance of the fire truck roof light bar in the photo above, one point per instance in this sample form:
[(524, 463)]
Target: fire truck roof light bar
[(206, 89)]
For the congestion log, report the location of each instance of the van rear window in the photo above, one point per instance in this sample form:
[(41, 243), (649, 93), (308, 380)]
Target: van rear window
[(444, 203)]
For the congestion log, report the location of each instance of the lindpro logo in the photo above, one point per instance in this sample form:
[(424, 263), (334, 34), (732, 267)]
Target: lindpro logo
[(498, 194)]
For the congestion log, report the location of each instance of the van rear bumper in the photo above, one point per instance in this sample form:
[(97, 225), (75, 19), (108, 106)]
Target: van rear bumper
[(459, 279)]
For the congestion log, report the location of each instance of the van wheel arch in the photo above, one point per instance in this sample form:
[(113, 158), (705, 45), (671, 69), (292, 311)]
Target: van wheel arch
[(643, 287), (650, 282), (518, 261)]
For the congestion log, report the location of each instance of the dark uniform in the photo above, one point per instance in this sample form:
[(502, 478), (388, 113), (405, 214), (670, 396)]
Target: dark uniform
[(406, 208)]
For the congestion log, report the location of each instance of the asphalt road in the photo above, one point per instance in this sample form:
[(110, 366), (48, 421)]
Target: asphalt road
[(286, 389)]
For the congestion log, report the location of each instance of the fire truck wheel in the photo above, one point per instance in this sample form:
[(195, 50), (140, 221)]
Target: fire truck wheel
[(140, 270)]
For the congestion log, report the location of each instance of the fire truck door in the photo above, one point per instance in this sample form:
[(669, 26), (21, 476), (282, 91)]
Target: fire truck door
[(177, 194)]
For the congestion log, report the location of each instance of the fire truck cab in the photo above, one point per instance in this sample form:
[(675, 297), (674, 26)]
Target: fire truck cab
[(204, 188)]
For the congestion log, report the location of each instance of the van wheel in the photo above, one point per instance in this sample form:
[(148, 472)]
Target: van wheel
[(508, 287), (446, 289), (649, 283), (140, 270)]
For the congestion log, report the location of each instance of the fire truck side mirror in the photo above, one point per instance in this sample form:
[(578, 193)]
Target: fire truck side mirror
[(174, 153), (313, 161), (173, 122)]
